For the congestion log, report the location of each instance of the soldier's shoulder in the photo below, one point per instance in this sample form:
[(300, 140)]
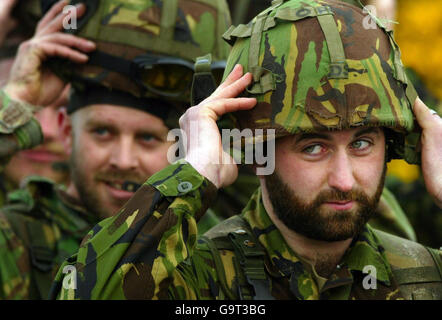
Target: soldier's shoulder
[(402, 252), (32, 189), (417, 269)]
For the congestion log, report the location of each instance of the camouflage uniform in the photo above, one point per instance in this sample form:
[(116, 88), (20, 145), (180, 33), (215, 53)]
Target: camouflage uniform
[(41, 225), (150, 250)]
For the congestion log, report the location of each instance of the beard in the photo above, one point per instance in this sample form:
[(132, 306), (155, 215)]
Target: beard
[(315, 222), (88, 185)]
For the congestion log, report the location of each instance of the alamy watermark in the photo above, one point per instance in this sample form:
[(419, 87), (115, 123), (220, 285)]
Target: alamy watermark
[(70, 21), (70, 278), (370, 281), (372, 20), (241, 147)]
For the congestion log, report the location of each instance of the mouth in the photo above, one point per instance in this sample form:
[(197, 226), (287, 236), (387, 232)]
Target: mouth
[(42, 155), (340, 205), (119, 189)]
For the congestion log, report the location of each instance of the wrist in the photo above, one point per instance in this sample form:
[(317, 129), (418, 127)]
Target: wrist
[(15, 93), (210, 171)]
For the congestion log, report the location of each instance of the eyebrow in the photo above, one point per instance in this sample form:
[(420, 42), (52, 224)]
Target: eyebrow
[(325, 136), (94, 123)]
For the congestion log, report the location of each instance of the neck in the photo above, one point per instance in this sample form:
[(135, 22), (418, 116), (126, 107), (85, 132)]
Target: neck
[(324, 255)]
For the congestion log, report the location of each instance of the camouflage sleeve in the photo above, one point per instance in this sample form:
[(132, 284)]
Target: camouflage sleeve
[(134, 254), (18, 128), (14, 264)]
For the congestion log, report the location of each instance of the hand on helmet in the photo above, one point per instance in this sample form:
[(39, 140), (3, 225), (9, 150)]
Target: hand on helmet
[(431, 139), (30, 80), (204, 146)]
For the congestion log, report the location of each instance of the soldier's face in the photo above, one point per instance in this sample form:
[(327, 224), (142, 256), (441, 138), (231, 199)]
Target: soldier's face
[(48, 159), (327, 184), (111, 145)]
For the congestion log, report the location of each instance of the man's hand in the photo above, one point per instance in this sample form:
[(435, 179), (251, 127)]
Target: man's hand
[(204, 146), (431, 140), (7, 23), (29, 81)]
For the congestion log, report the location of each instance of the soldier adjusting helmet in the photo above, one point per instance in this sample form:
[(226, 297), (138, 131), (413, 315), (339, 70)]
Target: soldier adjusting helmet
[(147, 48), (316, 65)]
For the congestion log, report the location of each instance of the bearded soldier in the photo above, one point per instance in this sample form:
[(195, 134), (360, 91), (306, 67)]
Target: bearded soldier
[(335, 99)]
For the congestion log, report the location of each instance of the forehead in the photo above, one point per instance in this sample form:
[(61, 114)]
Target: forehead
[(123, 118)]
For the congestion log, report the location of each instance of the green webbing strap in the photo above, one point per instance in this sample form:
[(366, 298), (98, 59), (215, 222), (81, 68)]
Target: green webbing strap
[(251, 256), (286, 14), (42, 259), (203, 84), (240, 31), (255, 44), (437, 257), (168, 18), (338, 64), (291, 14), (416, 275), (398, 66), (219, 267), (263, 79), (261, 84)]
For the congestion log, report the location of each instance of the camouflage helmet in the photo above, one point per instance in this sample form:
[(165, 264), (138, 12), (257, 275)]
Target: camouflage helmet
[(147, 47), (316, 65)]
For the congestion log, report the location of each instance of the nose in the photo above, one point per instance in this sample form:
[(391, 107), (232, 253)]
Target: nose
[(123, 155), (340, 175), (48, 122)]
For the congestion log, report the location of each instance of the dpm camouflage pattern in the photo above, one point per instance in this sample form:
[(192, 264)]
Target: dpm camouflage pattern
[(150, 250), (39, 228), (315, 67), (127, 29)]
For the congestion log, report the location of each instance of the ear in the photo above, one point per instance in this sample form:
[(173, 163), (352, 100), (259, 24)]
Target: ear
[(64, 123)]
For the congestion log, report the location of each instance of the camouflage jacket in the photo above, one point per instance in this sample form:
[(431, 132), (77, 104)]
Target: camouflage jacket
[(41, 225), (5, 188), (150, 251)]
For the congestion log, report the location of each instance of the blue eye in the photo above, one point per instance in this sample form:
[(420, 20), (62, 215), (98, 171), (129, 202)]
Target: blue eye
[(100, 131), (360, 144), (314, 149), (147, 137)]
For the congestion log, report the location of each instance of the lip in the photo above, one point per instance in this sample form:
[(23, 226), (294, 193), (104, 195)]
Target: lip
[(340, 205), (118, 193), (41, 155)]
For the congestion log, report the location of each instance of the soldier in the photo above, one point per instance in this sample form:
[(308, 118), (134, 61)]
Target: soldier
[(339, 103), (48, 159), (124, 100)]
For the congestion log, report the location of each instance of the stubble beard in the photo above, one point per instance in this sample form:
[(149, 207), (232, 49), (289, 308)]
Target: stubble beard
[(315, 222), (87, 186)]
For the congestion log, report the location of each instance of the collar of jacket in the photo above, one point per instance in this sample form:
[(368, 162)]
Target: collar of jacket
[(46, 200), (365, 250)]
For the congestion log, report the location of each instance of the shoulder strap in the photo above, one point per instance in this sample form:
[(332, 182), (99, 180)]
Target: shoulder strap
[(234, 234), (416, 268), (41, 254)]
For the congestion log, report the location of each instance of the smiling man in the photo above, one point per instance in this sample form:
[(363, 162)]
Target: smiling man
[(337, 99), (125, 97)]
